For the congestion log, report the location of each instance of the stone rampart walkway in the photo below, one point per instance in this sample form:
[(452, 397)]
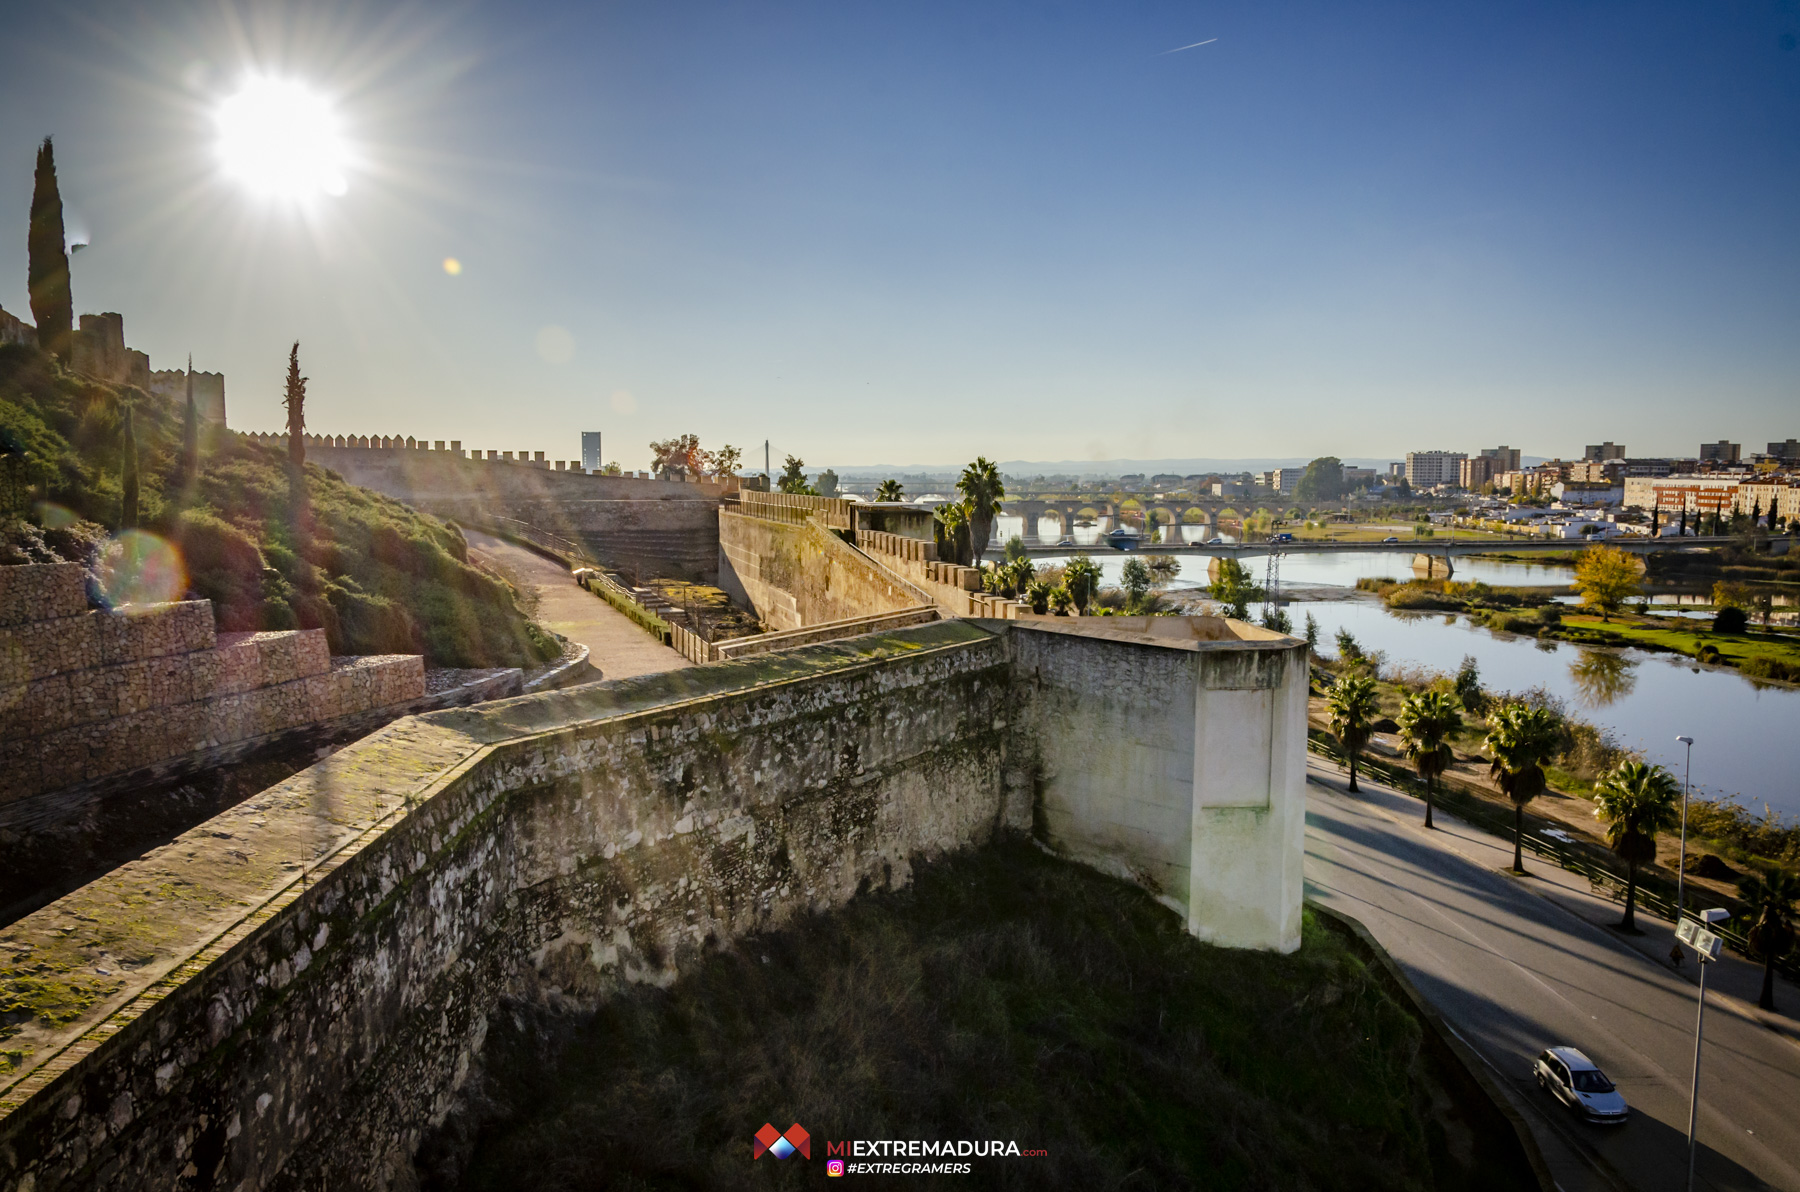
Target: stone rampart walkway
[(618, 648)]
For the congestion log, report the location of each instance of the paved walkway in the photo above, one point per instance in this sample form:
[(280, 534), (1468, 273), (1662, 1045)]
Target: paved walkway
[(1517, 964), (617, 647)]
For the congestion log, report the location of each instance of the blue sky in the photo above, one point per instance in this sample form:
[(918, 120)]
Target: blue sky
[(914, 232)]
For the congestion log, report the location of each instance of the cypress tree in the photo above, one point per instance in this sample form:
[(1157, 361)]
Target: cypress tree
[(190, 435), (128, 478), (298, 506), (47, 270), (296, 408)]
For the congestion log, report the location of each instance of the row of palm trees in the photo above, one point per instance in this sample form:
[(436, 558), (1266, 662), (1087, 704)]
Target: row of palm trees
[(1636, 799)]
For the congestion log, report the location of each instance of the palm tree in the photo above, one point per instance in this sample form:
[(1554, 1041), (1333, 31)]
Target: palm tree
[(890, 490), (1637, 800), (1771, 896), (1521, 739), (982, 492), (1352, 709), (953, 533), (1428, 719), (1082, 577)]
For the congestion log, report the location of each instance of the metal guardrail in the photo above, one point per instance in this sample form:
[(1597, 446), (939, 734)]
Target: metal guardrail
[(1601, 881)]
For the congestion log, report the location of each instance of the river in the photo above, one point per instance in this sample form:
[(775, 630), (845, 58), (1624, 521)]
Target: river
[(1646, 699)]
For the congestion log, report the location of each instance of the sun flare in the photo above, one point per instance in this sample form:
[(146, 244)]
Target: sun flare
[(282, 140)]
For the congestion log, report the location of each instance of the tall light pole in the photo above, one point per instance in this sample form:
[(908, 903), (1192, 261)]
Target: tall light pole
[(1681, 866), (1706, 946)]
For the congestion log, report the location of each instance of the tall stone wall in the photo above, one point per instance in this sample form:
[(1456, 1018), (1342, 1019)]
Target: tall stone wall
[(290, 996), (1172, 752), (303, 1005), (798, 573), (656, 527)]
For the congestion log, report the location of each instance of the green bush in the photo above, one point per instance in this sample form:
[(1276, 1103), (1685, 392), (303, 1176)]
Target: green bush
[(376, 575), (1730, 619), (1761, 666)]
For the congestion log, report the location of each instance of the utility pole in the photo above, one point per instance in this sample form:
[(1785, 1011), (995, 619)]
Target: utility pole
[(767, 474), (1706, 946), (1681, 866)]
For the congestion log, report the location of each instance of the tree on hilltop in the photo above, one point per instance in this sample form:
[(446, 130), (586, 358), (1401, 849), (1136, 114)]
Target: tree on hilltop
[(190, 436), (295, 401), (47, 269), (128, 475)]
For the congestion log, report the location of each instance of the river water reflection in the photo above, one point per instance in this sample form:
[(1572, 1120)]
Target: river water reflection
[(1742, 748), (1338, 570)]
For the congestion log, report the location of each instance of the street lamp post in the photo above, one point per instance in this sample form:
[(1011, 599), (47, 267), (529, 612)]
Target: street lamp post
[(1681, 866), (1706, 946)]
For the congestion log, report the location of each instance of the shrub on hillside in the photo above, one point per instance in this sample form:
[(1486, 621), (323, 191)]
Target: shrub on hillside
[(376, 575)]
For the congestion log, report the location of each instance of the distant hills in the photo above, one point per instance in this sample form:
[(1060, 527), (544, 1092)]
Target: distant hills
[(1110, 467)]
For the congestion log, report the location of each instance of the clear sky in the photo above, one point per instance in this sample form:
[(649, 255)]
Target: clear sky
[(911, 232)]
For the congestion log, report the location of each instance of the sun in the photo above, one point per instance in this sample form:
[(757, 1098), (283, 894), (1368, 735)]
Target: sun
[(281, 140)]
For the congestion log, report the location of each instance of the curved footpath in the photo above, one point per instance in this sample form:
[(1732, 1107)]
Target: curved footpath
[(1517, 964), (617, 647)]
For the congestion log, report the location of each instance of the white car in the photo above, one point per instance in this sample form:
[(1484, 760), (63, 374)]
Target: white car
[(1573, 1079)]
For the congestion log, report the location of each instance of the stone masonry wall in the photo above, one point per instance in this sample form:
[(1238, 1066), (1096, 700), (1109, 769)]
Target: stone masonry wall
[(548, 847), (796, 574), (87, 694)]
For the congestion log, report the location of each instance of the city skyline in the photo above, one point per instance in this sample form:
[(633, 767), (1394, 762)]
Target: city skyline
[(933, 233)]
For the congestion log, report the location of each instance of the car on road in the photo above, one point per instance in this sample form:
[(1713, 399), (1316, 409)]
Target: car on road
[(1390, 539), (1065, 542), (1573, 1079), (1121, 538), (1281, 538)]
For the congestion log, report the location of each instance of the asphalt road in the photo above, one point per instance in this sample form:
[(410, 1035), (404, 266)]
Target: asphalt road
[(1515, 965)]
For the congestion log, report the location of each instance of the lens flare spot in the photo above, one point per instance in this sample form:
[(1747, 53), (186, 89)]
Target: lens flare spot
[(140, 568), (55, 517), (452, 266)]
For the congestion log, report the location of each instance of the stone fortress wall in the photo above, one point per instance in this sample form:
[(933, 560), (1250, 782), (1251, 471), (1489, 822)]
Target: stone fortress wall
[(87, 694), (209, 391), (635, 523), (307, 998)]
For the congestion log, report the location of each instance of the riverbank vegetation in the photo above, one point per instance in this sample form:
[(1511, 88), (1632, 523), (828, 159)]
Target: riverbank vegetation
[(1769, 653), (1004, 994), (213, 516), (1584, 754)]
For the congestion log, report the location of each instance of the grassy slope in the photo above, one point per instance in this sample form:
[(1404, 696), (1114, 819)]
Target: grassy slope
[(1687, 636), (378, 576), (1004, 995)]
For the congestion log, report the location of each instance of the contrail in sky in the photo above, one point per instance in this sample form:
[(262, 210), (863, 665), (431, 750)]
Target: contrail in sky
[(1178, 49)]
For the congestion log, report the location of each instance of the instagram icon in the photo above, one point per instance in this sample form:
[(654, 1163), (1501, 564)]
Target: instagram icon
[(834, 1167)]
